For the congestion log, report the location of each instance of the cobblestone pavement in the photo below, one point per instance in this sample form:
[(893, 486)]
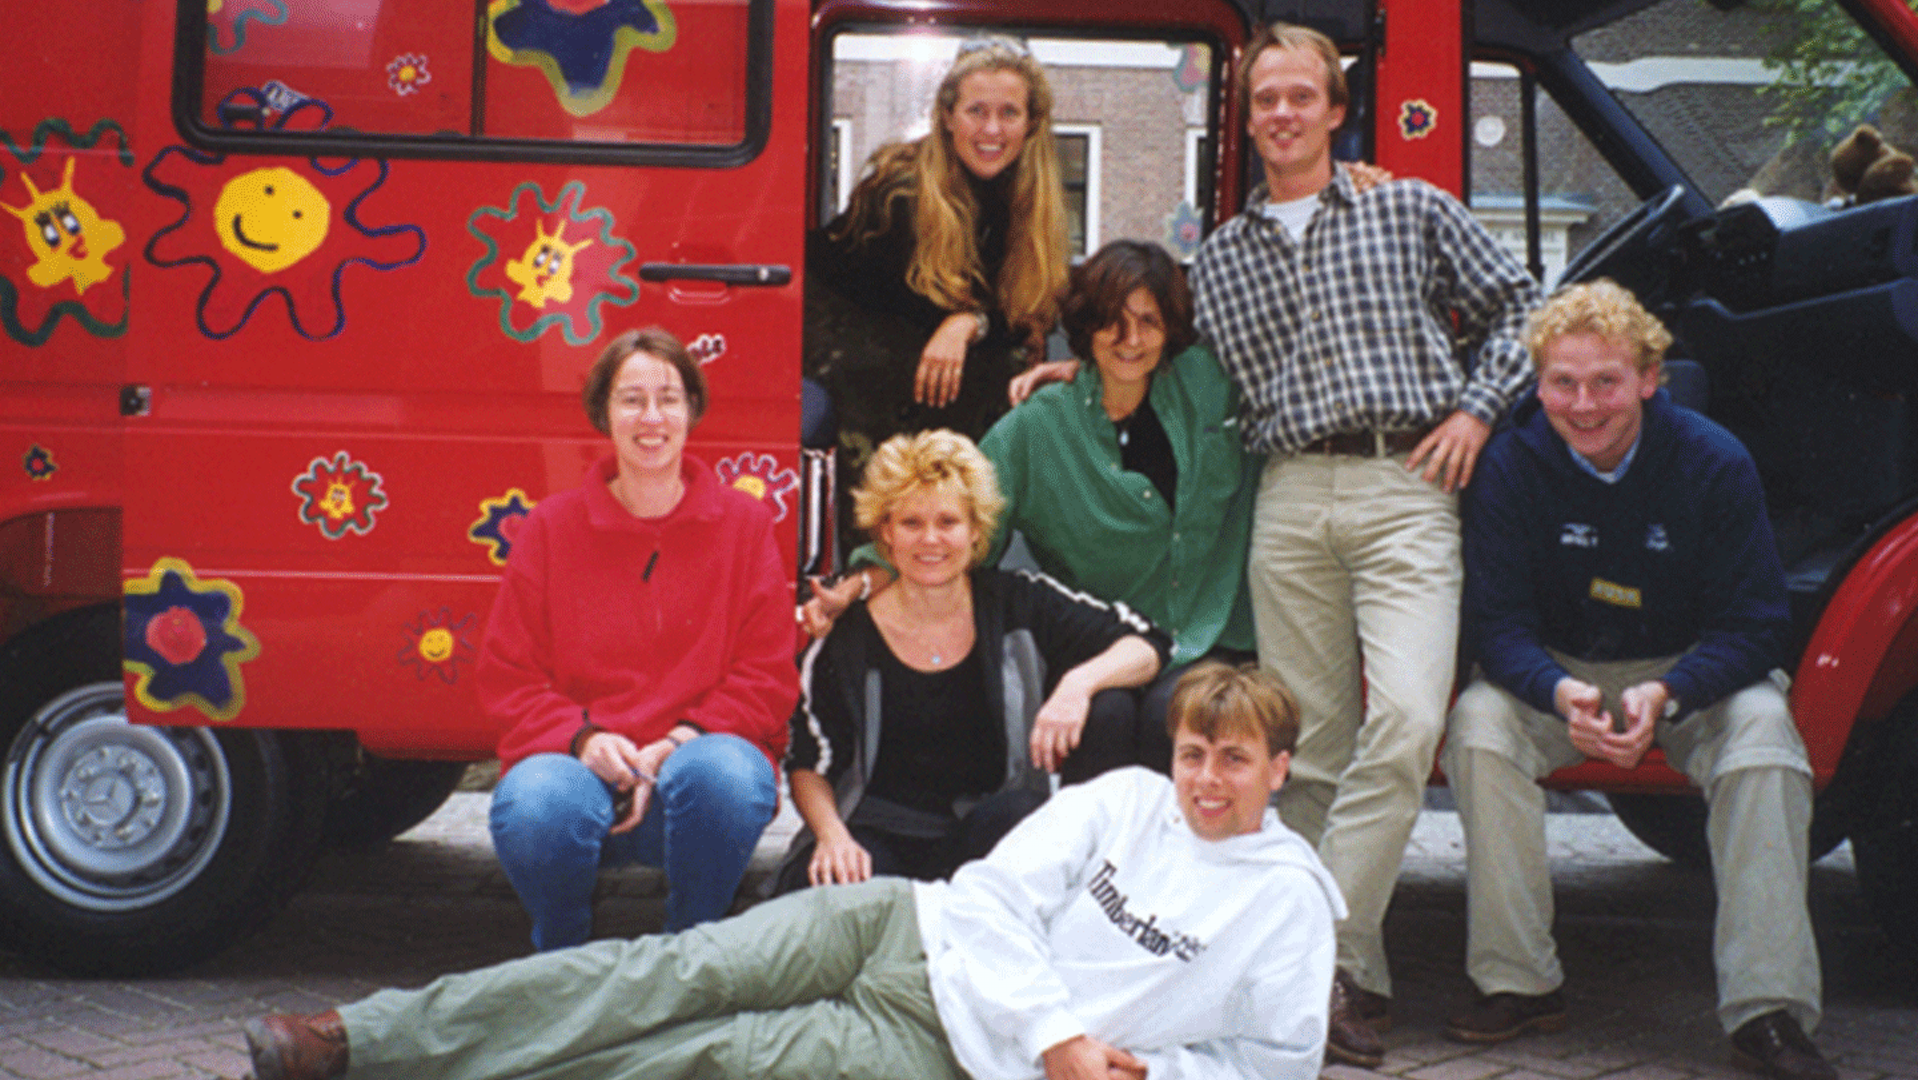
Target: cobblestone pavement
[(1634, 932)]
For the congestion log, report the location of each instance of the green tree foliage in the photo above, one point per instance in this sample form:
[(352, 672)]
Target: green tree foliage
[(1830, 75)]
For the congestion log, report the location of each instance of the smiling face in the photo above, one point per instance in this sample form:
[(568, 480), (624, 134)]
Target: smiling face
[(1594, 395), (1129, 350), (271, 218), (928, 536), (990, 121), (1224, 784), (1291, 119), (649, 414)]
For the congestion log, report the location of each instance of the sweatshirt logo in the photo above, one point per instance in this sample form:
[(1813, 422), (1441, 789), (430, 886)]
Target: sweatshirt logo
[(1146, 932), (1573, 534), (1656, 539)]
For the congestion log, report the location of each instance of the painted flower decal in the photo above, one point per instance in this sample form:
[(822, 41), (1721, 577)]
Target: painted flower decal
[(566, 266), (62, 249), (1184, 228), (707, 348), (39, 463), (437, 645), (499, 522), (581, 47), (407, 73), (339, 495), (227, 22), (285, 232), (760, 476), (184, 643), (1417, 118)]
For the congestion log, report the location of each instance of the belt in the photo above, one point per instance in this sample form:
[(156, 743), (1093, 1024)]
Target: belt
[(1367, 443)]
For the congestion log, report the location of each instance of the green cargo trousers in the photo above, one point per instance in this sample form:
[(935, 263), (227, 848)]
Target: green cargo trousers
[(825, 982)]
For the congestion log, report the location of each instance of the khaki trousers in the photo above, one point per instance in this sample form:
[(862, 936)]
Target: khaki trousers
[(825, 982), (1743, 753), (1357, 558)]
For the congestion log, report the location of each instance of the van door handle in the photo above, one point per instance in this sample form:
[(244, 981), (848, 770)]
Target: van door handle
[(726, 273)]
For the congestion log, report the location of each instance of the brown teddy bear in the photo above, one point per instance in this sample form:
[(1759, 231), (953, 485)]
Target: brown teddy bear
[(1866, 168)]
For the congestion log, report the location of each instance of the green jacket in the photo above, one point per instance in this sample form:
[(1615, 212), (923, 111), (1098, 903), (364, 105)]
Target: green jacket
[(1104, 530)]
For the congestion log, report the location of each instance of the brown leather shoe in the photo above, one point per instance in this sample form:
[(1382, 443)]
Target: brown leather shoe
[(1498, 1017), (289, 1047), (1349, 1039), (1775, 1045)]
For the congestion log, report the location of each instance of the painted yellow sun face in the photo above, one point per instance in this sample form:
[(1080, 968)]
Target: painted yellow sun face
[(68, 237), (545, 270), (338, 503), (436, 645), (271, 218)]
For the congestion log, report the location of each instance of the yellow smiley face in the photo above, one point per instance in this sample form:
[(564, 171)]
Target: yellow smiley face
[(271, 218), (436, 645)]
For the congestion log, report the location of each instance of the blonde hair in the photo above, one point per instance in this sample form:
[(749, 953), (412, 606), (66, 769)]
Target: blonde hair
[(946, 267), (1281, 35), (1601, 307), (1213, 700), (938, 461)]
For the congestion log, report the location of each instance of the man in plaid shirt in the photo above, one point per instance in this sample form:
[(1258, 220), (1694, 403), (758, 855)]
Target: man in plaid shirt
[(1375, 338)]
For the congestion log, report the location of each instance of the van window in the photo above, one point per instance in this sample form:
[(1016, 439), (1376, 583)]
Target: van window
[(1579, 193), (642, 81), (1123, 113)]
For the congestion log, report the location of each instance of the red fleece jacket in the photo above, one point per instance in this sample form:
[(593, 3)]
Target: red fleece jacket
[(646, 622)]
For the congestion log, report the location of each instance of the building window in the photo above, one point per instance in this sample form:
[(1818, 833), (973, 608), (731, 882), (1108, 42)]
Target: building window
[(1079, 171), (842, 167), (1198, 168)]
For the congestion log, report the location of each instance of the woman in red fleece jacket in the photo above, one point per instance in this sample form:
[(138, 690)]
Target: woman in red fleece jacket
[(639, 660)]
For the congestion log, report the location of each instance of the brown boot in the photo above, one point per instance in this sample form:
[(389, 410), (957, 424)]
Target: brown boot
[(289, 1047), (1349, 1038)]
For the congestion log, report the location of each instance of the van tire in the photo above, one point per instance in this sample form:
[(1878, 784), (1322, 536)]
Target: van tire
[(1885, 847), (1674, 826), (387, 796), (128, 849)]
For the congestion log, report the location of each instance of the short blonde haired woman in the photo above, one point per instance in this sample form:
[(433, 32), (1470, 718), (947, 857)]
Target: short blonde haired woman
[(929, 717)]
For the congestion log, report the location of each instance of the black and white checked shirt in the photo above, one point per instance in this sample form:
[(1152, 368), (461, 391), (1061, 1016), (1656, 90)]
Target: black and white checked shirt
[(1351, 329)]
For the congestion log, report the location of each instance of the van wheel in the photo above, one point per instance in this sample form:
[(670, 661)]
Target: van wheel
[(386, 797), (1674, 826), (132, 849), (1886, 847)]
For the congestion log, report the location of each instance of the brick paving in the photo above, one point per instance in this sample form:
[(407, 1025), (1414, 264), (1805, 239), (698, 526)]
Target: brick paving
[(1634, 933)]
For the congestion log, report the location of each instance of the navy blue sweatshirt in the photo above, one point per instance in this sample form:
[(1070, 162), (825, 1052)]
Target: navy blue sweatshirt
[(1676, 555)]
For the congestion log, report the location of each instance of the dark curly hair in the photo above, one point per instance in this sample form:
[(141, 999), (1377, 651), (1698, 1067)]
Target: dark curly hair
[(1101, 284)]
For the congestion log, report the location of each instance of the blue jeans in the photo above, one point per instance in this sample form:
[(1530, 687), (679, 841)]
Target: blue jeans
[(550, 818)]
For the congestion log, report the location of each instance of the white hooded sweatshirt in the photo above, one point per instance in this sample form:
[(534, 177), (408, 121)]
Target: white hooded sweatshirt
[(1104, 914)]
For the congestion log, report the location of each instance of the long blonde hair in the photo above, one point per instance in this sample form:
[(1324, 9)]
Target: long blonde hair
[(946, 266)]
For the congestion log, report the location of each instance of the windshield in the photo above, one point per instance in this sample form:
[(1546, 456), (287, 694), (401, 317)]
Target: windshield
[(1755, 99)]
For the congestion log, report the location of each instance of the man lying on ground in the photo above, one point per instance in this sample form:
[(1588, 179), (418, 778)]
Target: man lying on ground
[(1132, 927)]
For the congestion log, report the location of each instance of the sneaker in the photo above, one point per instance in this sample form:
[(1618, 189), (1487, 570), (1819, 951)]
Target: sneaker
[(1775, 1045), (1498, 1017)]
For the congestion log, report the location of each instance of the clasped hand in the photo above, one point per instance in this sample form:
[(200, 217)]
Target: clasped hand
[(631, 769), (1593, 729)]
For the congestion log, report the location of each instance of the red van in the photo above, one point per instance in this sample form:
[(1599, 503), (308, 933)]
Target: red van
[(296, 297)]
